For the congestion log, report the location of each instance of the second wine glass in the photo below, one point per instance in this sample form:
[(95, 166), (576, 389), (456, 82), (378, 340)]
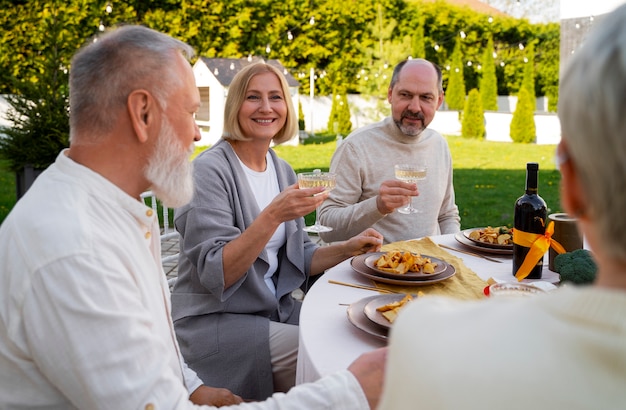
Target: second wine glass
[(410, 173), (315, 179)]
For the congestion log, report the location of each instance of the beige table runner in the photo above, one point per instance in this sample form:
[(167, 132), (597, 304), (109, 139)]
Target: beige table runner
[(465, 284)]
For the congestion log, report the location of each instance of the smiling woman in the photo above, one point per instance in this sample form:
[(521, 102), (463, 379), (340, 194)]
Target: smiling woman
[(234, 256)]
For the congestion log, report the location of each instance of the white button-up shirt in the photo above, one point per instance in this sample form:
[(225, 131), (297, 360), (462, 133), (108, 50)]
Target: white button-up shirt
[(85, 317)]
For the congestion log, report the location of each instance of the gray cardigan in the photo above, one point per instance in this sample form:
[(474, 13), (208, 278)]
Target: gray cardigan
[(224, 333)]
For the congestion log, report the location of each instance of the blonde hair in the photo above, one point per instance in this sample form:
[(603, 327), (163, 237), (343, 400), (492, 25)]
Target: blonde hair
[(592, 111), (236, 97)]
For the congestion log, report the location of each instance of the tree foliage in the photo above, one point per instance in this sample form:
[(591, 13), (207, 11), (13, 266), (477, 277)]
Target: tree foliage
[(522, 127), (300, 116), (418, 48), (38, 105), (339, 121), (488, 80), (455, 94), (349, 41), (473, 124)]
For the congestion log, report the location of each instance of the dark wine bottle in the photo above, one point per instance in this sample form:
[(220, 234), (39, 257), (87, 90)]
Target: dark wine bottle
[(530, 216)]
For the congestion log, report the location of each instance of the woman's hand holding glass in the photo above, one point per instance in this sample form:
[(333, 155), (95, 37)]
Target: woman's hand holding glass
[(315, 179)]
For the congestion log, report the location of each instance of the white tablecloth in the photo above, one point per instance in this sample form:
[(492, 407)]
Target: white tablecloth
[(329, 342)]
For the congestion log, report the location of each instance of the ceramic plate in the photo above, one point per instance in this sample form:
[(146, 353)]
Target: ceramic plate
[(467, 233), (462, 239), (371, 258), (356, 316), (377, 317), (359, 266)]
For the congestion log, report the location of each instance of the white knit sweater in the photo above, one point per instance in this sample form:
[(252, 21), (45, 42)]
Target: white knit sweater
[(364, 160)]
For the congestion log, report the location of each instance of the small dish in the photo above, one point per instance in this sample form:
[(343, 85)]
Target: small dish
[(377, 317), (356, 316), (512, 290)]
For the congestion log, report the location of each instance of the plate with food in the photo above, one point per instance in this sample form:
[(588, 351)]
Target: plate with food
[(498, 237), (359, 266), (405, 265), (486, 239), (356, 316), (383, 310)]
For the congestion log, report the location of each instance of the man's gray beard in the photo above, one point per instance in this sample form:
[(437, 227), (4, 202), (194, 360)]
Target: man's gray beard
[(409, 131), (169, 170)]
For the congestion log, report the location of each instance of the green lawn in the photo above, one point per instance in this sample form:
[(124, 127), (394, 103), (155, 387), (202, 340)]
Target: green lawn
[(488, 176)]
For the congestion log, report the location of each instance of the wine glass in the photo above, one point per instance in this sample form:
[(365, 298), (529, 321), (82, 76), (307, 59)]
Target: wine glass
[(410, 173), (315, 179)]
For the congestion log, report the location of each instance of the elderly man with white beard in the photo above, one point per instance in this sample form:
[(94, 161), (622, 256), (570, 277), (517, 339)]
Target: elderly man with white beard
[(84, 304)]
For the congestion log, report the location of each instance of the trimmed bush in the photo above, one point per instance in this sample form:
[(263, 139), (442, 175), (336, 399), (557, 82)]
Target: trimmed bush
[(300, 116), (339, 121), (488, 80), (523, 123), (455, 93), (473, 125)]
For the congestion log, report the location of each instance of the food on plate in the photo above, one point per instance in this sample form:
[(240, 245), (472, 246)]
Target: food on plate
[(500, 235), (390, 310), (403, 262)]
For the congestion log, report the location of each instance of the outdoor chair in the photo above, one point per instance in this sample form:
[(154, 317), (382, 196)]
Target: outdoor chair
[(167, 233)]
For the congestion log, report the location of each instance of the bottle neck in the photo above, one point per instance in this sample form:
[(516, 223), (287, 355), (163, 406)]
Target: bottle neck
[(531, 182)]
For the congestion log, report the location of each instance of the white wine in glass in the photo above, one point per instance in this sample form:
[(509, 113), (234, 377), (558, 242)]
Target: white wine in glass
[(410, 173), (316, 179)]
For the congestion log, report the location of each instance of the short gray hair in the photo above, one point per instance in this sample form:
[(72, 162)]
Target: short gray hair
[(398, 68), (105, 71), (592, 111)]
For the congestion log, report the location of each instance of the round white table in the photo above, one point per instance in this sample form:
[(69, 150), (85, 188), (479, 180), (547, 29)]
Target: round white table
[(329, 342)]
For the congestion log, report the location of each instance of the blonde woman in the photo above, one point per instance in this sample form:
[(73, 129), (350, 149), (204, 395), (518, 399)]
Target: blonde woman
[(243, 248)]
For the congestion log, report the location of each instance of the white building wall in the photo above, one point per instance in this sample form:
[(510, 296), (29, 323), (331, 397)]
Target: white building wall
[(210, 130)]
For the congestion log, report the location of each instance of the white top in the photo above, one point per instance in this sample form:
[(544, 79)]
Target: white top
[(562, 350), (264, 186), (84, 306)]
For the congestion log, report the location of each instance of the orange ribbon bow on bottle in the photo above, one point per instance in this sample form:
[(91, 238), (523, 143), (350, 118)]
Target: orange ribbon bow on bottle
[(538, 244)]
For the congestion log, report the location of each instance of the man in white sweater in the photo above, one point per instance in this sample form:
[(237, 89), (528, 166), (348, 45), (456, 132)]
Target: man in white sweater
[(85, 318), (367, 193), (565, 349)]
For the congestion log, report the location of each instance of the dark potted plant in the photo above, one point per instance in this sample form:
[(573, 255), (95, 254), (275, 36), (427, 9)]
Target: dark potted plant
[(38, 111)]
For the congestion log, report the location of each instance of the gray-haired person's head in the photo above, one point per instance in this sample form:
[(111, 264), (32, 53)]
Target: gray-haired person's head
[(592, 111), (105, 71), (398, 68)]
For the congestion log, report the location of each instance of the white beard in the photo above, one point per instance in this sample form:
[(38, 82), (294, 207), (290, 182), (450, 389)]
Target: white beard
[(169, 170)]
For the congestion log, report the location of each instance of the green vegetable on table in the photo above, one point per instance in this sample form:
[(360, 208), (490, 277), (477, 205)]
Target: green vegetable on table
[(576, 267)]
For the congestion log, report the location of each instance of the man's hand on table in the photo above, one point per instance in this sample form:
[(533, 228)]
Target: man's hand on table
[(214, 396), (369, 240), (369, 370)]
